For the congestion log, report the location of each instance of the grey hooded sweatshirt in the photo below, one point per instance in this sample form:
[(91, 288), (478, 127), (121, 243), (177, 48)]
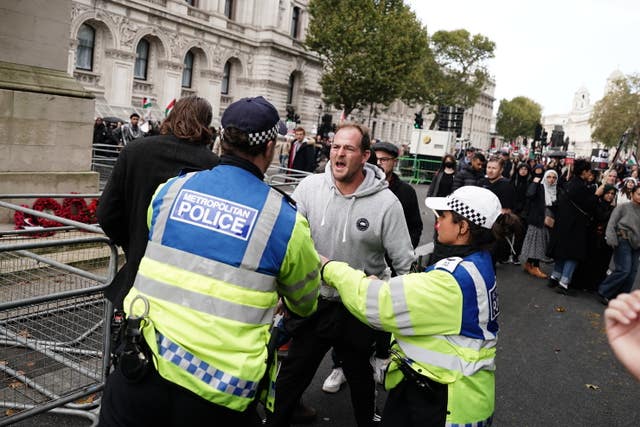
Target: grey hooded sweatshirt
[(357, 228)]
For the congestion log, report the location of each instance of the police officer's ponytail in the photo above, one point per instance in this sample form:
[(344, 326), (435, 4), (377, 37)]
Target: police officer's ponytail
[(484, 238), (505, 225)]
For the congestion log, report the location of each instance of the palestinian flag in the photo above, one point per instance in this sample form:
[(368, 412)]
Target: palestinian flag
[(146, 103), (169, 107)]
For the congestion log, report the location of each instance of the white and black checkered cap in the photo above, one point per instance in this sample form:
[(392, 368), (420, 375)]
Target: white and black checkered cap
[(255, 116), (476, 204)]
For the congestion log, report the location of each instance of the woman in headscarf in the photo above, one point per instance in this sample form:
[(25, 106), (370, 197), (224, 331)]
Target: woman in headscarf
[(520, 181), (542, 194), (624, 196)]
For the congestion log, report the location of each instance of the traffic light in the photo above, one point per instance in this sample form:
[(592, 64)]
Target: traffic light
[(456, 121), (537, 135), (418, 122), (291, 113), (543, 137)]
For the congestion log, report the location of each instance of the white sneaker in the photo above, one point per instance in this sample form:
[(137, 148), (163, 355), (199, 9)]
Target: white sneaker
[(379, 368), (333, 382)]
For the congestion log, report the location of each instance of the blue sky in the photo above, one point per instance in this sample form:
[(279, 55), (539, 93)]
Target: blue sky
[(546, 49)]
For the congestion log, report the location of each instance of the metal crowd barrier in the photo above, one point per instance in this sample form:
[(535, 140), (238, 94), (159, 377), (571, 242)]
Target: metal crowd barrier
[(417, 170), (103, 158), (54, 319), (284, 178)]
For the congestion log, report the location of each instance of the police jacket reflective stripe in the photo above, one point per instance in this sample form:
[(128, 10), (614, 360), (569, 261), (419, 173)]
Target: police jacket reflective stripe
[(222, 246), (443, 320)]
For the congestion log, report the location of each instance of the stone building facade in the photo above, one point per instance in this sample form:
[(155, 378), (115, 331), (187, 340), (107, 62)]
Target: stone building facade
[(476, 125), (575, 123), (222, 50), (126, 50)]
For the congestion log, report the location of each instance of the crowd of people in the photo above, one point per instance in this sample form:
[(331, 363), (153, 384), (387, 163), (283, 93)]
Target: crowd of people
[(569, 215), (112, 131), (214, 255)]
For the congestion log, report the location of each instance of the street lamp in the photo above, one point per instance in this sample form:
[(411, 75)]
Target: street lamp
[(319, 108)]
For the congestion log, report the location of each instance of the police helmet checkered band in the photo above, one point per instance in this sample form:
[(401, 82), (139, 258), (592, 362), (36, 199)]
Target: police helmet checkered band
[(477, 204), (264, 136), (255, 116)]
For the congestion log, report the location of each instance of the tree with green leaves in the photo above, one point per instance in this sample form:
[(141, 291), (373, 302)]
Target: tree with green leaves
[(518, 117), (617, 112), (452, 73), (368, 49)]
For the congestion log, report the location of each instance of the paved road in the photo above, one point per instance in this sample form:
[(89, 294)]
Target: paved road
[(554, 367)]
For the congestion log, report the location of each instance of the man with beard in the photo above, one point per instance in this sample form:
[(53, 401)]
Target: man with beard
[(355, 219), (131, 131)]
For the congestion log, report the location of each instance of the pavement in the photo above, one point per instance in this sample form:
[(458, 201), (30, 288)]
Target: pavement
[(554, 366)]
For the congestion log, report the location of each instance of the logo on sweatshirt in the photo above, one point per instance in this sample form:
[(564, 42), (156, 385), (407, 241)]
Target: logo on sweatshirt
[(362, 224)]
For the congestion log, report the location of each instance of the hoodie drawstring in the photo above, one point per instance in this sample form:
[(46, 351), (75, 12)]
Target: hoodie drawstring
[(346, 220), (326, 206)]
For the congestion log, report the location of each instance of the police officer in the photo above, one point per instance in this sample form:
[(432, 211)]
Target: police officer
[(222, 247), (444, 320)]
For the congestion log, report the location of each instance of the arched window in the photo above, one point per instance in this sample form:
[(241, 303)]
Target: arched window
[(86, 42), (295, 22), (226, 76), (142, 59), (187, 70), (291, 88)]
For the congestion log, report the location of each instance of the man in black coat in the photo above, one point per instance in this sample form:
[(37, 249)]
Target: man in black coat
[(302, 155), (142, 166), (387, 158), (473, 174), (506, 192), (568, 243)]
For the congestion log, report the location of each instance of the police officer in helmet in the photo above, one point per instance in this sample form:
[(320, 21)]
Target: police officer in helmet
[(223, 247)]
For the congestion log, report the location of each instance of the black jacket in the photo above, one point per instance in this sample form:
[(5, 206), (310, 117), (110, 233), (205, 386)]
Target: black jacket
[(409, 201), (576, 206), (142, 166), (305, 158), (468, 176), (537, 205)]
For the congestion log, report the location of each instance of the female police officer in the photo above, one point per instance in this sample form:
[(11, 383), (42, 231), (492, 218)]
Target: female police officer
[(443, 320)]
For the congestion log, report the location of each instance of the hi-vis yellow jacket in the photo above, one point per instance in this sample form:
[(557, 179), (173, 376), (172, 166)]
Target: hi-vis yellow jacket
[(443, 320), (222, 246)]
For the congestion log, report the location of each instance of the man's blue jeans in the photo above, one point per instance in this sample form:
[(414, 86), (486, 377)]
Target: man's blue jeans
[(563, 271), (621, 279)]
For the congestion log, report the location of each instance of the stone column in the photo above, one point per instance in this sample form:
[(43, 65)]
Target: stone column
[(46, 117)]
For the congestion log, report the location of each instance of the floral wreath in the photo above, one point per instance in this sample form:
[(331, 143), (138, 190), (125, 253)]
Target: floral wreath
[(73, 208), (50, 206)]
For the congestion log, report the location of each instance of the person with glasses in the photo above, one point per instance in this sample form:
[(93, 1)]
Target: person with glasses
[(387, 157)]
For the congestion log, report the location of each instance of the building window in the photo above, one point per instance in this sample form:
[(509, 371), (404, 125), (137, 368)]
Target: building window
[(295, 22), (228, 9), (84, 53), (187, 71), (290, 88), (142, 58), (226, 75), (191, 2)]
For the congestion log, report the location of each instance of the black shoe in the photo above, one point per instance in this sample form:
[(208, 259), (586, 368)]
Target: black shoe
[(604, 300), (552, 283), (564, 291), (303, 414)]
